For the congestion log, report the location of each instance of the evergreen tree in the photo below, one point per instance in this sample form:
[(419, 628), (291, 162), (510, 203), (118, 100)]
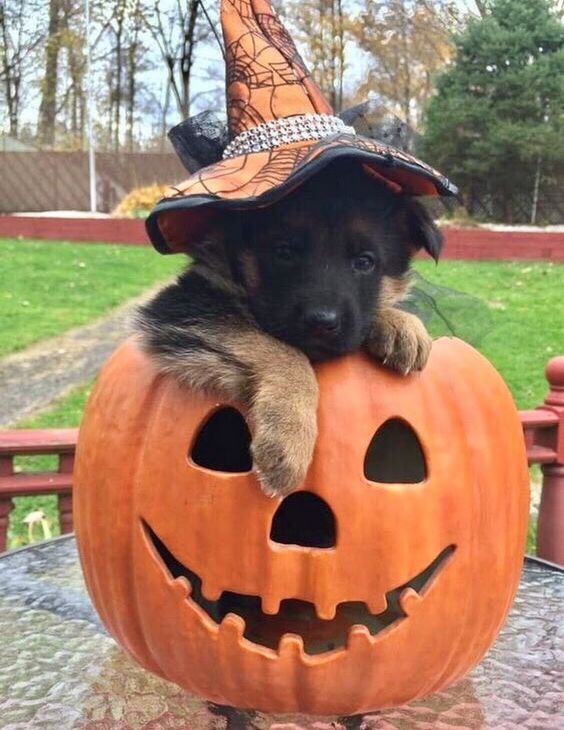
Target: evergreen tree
[(496, 123)]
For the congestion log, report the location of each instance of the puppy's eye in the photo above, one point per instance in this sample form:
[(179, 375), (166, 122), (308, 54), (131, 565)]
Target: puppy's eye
[(364, 262), (285, 251)]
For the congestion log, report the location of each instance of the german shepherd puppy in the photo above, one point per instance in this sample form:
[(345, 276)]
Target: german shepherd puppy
[(311, 277)]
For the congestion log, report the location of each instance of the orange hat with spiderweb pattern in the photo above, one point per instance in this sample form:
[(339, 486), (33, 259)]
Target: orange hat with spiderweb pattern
[(281, 131)]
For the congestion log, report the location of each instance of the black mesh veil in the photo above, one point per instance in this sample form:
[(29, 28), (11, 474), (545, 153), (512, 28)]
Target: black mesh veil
[(448, 312)]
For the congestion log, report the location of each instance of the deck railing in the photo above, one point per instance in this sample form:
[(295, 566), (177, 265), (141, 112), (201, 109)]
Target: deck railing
[(19, 442), (543, 430)]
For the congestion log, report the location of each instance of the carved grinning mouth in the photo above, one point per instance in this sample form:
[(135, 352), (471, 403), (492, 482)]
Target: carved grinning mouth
[(297, 616)]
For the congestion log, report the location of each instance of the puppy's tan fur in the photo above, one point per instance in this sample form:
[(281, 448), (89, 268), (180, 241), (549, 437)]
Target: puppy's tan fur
[(399, 339), (274, 380)]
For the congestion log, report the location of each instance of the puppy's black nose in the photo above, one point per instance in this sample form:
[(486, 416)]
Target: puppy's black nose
[(322, 321)]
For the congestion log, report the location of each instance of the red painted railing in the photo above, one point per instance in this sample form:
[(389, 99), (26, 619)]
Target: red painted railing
[(543, 430), (544, 438), (481, 244), (60, 442)]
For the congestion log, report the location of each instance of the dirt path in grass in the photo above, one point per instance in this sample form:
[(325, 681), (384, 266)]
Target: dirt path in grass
[(32, 378)]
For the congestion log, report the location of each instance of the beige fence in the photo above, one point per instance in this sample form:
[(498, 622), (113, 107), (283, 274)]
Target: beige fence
[(38, 181)]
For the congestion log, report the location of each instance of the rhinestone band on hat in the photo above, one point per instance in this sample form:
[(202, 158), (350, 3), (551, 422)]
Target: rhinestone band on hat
[(279, 132)]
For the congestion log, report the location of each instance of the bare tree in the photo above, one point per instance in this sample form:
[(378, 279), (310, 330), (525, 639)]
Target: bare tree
[(320, 30), (71, 97), (134, 63), (48, 106), (124, 31), (117, 26), (20, 39), (407, 42), (178, 31)]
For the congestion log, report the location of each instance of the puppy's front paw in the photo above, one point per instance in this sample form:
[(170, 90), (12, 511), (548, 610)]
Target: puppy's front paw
[(400, 340), (282, 449)]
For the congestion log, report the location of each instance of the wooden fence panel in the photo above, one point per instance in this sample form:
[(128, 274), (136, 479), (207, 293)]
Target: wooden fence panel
[(39, 181)]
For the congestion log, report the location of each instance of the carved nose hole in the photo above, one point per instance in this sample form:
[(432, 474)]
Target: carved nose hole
[(223, 443), (304, 519), (395, 455)]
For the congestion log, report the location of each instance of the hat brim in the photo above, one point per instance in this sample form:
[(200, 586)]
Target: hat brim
[(259, 179)]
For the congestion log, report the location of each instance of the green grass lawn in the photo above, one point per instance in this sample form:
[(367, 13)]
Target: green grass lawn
[(527, 313), (47, 288), (526, 310)]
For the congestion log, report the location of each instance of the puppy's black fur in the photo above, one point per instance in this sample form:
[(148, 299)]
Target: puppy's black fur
[(319, 259), (309, 278)]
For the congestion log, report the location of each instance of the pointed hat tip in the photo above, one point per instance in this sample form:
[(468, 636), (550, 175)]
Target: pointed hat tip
[(266, 77)]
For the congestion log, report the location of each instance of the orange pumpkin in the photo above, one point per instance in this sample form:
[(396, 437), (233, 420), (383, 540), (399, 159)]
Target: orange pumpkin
[(386, 576)]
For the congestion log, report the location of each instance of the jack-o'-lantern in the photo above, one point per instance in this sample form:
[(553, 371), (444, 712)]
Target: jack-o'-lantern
[(385, 576)]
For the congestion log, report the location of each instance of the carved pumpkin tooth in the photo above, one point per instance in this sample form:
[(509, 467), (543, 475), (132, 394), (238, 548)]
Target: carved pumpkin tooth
[(377, 605), (182, 586), (211, 591), (232, 625), (409, 600), (359, 638), (270, 605), (325, 611), (290, 645)]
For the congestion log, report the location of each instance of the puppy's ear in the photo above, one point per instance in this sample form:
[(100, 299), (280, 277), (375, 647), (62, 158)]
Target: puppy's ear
[(422, 229), (211, 249)]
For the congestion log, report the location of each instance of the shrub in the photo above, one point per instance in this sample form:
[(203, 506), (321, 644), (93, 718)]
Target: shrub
[(139, 201)]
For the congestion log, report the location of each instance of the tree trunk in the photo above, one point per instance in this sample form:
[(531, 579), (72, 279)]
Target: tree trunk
[(48, 105), (341, 65), (132, 64), (177, 51), (119, 73), (73, 45), (76, 92), (406, 61), (130, 98), (333, 59), (164, 124), (110, 111), (187, 60), (12, 77)]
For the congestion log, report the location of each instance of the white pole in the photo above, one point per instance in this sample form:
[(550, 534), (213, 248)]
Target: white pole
[(536, 192), (89, 126)]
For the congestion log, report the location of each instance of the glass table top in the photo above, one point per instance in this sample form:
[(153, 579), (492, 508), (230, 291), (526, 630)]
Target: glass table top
[(59, 669)]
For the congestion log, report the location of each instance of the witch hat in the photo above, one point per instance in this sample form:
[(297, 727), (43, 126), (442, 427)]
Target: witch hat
[(281, 131)]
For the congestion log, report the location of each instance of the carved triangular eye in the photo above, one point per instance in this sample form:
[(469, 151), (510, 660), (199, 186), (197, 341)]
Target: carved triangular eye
[(223, 443), (395, 455)]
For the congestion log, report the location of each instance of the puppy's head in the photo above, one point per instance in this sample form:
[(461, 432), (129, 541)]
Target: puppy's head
[(316, 265)]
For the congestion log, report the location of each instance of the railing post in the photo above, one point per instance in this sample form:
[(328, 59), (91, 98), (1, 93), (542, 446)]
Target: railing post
[(550, 530), (6, 469), (66, 463), (5, 509)]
